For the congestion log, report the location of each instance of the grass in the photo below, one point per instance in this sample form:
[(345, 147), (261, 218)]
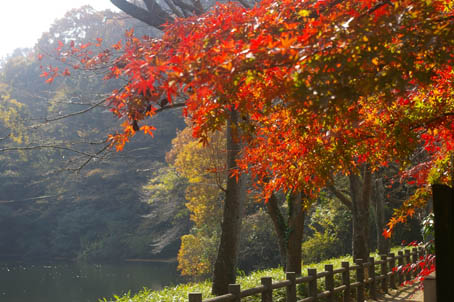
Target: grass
[(179, 293)]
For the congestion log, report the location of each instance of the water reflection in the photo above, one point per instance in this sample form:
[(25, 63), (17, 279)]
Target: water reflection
[(80, 282)]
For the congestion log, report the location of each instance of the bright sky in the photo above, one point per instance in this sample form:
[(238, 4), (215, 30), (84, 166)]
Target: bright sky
[(23, 21)]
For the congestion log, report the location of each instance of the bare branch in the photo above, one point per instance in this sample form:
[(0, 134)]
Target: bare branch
[(53, 119), (174, 8), (31, 199), (96, 155), (187, 7), (244, 4), (155, 16), (5, 138), (56, 147), (198, 6)]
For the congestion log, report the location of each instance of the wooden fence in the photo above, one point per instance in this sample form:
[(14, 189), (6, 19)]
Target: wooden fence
[(355, 279)]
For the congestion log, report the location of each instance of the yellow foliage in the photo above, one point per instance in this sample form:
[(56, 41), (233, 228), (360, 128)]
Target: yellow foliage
[(204, 168), (10, 111), (192, 260)]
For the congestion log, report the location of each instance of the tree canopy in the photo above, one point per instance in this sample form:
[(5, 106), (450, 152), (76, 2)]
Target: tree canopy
[(321, 87)]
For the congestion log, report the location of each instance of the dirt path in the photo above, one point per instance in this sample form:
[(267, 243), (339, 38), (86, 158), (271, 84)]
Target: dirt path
[(403, 294)]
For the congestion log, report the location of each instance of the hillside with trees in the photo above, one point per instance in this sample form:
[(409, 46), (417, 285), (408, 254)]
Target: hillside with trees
[(59, 199)]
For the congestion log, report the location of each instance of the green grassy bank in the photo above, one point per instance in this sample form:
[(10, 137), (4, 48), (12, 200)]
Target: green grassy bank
[(179, 293)]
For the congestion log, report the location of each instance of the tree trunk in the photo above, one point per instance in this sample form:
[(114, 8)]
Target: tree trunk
[(360, 194), (290, 234), (295, 233), (379, 202), (226, 261), (280, 227)]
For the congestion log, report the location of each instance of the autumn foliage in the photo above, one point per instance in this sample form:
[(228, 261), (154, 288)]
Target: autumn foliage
[(203, 167), (322, 87)]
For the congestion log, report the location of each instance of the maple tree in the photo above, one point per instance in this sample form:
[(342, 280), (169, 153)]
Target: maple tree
[(312, 88), (301, 83)]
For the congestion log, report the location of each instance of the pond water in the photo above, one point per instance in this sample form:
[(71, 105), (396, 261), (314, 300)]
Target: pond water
[(75, 282)]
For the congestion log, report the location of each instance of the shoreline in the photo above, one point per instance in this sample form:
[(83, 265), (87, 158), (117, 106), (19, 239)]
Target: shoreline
[(166, 260)]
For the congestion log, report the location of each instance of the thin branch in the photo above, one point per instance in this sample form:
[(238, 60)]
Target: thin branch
[(376, 7), (32, 198), (5, 138), (56, 147), (91, 158), (53, 119)]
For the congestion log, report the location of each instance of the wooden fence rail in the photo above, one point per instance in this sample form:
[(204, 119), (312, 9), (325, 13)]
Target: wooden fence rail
[(365, 277)]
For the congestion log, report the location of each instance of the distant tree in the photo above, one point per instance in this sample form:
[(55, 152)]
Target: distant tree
[(204, 169)]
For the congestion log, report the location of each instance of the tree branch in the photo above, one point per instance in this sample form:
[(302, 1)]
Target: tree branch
[(244, 4), (150, 4), (57, 147), (171, 106), (187, 9), (5, 138), (96, 155), (174, 8), (31, 198), (341, 196), (198, 6), (53, 119), (155, 16), (431, 120)]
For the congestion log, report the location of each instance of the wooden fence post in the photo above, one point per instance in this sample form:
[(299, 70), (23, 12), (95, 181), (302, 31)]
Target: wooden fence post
[(235, 289), (384, 273), (421, 255), (329, 282), (392, 265), (414, 261), (372, 285), (267, 295), (360, 279), (346, 280), (291, 289), (443, 208), (401, 264), (195, 297), (408, 264), (313, 283)]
